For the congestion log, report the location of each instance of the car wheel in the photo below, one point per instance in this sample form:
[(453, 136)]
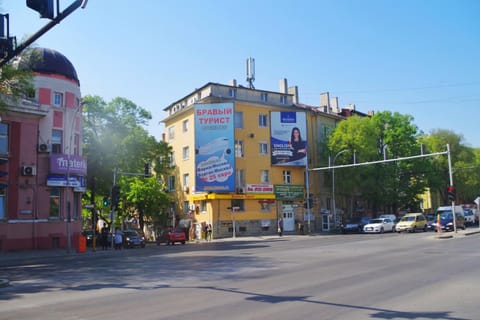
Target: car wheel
[(425, 228), (183, 242), (381, 230)]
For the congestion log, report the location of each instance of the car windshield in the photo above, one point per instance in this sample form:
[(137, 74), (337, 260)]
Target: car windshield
[(468, 213), (446, 215), (376, 221), (408, 218), (130, 233)]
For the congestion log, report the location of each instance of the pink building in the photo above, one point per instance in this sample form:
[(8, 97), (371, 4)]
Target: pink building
[(40, 149)]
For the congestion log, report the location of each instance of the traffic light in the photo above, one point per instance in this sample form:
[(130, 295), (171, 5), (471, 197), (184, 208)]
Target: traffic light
[(451, 193), (105, 201), (44, 7), (115, 195), (147, 169)]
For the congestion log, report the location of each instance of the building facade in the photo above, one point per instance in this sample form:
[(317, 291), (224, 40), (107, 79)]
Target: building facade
[(241, 160), (41, 151)]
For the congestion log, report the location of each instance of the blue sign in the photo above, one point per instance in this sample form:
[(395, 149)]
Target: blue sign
[(214, 146)]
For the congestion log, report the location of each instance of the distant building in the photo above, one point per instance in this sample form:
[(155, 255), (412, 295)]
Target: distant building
[(40, 144)]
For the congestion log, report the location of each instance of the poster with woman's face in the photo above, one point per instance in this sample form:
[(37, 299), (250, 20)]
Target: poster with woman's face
[(288, 138)]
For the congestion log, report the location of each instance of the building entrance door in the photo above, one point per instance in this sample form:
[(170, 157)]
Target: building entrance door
[(288, 218)]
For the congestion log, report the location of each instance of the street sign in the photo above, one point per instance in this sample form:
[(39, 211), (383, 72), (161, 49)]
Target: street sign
[(477, 201), (89, 206)]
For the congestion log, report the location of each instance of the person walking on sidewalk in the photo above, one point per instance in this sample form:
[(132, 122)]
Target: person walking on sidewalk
[(104, 237), (280, 227), (118, 239)]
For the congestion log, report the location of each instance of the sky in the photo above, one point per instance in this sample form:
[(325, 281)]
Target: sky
[(415, 57)]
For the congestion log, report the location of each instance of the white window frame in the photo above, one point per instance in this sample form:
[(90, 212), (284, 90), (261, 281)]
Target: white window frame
[(57, 99), (287, 177), (238, 120), (185, 125), (171, 133), (263, 120), (186, 153), (239, 149), (264, 176), (263, 148)]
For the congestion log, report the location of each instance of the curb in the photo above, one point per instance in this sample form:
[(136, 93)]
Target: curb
[(4, 283)]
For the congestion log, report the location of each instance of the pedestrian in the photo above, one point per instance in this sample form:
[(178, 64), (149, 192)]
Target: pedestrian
[(104, 237), (280, 227), (209, 232), (118, 239)]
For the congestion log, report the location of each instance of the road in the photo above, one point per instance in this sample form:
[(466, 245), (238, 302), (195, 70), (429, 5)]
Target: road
[(387, 276)]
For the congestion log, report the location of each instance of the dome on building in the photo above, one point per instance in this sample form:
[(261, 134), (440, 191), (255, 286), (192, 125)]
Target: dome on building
[(47, 61)]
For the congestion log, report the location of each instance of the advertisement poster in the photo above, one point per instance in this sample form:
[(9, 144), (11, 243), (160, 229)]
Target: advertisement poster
[(214, 145), (288, 138)]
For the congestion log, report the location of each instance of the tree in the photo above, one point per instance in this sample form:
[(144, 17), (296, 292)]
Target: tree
[(15, 83), (386, 186)]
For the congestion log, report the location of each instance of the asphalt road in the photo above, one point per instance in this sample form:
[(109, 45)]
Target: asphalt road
[(388, 276)]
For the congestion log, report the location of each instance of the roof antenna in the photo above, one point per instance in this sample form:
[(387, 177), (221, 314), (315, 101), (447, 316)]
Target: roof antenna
[(250, 72)]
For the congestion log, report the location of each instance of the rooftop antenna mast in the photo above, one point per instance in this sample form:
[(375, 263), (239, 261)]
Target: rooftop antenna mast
[(251, 72)]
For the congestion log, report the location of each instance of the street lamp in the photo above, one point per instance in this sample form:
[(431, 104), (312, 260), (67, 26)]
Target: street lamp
[(333, 188)]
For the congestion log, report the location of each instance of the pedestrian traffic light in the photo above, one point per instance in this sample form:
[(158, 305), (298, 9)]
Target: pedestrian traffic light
[(44, 7), (147, 169), (451, 193), (115, 195), (105, 201)]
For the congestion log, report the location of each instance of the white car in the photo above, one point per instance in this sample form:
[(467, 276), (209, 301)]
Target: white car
[(379, 225)]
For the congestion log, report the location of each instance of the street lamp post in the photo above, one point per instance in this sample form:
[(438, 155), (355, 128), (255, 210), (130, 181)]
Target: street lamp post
[(333, 188)]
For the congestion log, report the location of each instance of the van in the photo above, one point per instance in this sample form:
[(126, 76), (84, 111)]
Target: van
[(412, 222), (445, 216)]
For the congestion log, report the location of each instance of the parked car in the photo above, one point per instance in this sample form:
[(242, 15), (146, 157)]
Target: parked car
[(412, 222), (470, 218), (354, 225), (176, 235), (431, 220), (379, 225), (89, 235), (132, 238), (446, 218)]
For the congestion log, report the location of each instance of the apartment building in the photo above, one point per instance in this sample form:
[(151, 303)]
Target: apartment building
[(241, 158)]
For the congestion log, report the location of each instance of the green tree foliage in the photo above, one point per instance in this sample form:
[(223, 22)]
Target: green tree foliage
[(386, 186), (465, 166), (15, 83), (114, 138)]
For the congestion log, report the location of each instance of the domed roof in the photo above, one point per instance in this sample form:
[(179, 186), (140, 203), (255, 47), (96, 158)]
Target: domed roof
[(48, 61)]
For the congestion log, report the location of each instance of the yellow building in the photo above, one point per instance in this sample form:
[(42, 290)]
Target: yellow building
[(237, 165)]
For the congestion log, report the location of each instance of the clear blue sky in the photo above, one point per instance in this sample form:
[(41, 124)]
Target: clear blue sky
[(416, 57)]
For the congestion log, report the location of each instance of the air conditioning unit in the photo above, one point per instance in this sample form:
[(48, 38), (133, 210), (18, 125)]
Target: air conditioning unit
[(43, 147), (29, 171)]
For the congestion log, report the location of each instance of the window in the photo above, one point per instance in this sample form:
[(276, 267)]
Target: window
[(186, 207), (203, 206), (238, 149), (77, 204), (76, 144), (283, 99), (171, 133), (58, 99), (240, 203), (238, 120), (265, 206), (3, 138), (3, 202), (287, 177), (263, 148), (55, 203), (240, 178), (57, 141), (232, 93), (186, 180), (264, 96), (264, 176), (171, 183), (263, 120), (186, 153), (185, 125), (172, 159)]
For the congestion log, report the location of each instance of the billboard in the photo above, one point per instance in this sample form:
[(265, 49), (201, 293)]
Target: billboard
[(214, 145), (288, 138)]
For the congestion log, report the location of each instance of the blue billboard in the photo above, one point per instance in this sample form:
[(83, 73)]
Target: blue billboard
[(214, 145), (288, 138)]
